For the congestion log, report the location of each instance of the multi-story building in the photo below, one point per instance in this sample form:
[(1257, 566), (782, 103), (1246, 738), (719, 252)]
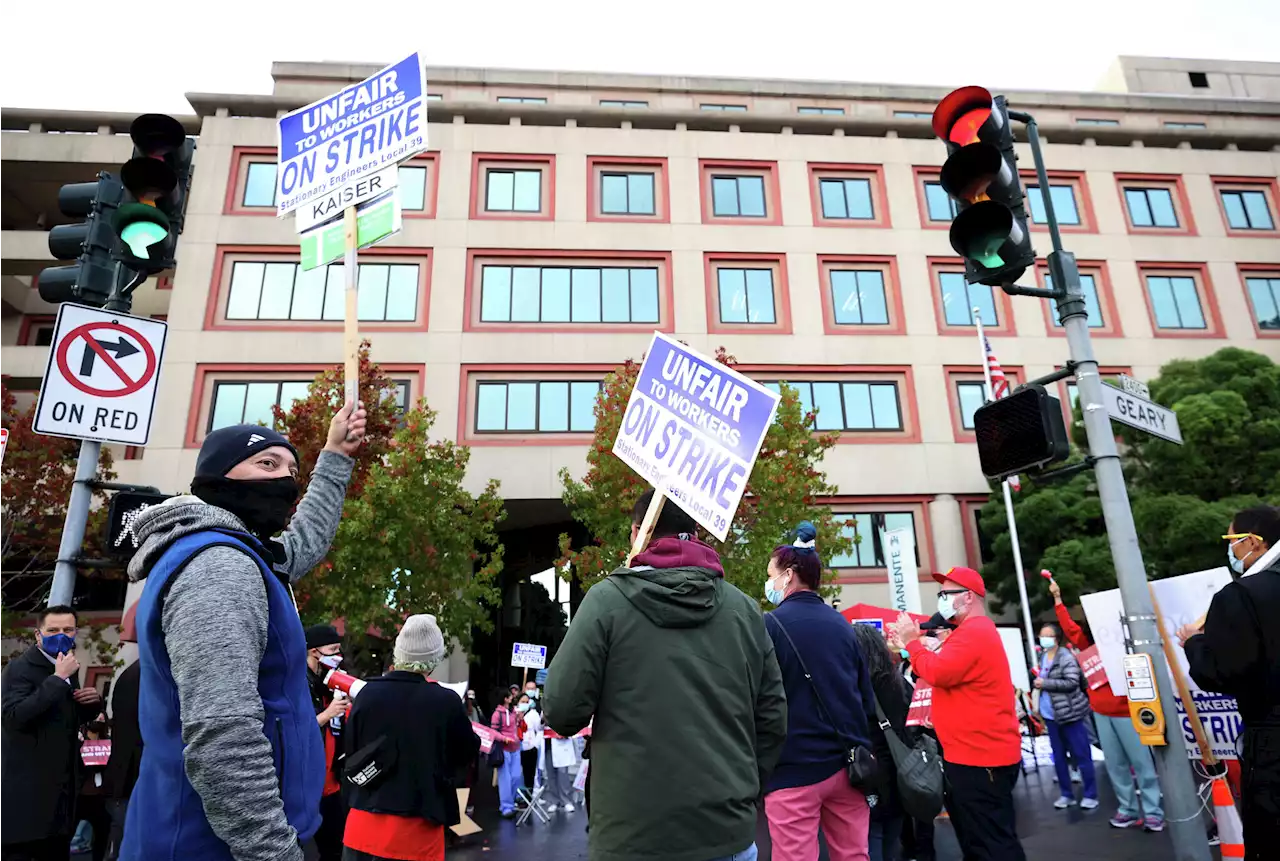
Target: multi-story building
[(559, 218)]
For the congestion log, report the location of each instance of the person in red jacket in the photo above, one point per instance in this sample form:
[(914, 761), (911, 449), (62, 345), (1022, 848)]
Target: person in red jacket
[(973, 714), (1119, 741)]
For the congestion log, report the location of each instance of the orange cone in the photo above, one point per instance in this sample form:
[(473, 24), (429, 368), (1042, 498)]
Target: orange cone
[(1230, 829)]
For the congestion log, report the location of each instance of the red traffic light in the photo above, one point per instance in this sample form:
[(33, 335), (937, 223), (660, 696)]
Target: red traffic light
[(961, 115)]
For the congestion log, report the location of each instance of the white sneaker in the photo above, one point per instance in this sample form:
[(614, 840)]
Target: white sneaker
[(569, 808), (1063, 803), (1088, 803), (552, 808)]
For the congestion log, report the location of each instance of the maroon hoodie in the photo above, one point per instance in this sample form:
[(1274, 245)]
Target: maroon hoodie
[(674, 552)]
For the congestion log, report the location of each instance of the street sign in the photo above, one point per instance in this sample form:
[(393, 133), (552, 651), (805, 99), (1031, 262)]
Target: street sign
[(1141, 414), (693, 428), (102, 376), (375, 220), (331, 205), (1135, 387), (528, 655), (348, 136)]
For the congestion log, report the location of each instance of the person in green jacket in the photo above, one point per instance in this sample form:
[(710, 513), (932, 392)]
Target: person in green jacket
[(690, 714)]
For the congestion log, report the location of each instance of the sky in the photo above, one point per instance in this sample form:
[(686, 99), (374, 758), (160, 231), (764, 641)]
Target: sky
[(131, 57)]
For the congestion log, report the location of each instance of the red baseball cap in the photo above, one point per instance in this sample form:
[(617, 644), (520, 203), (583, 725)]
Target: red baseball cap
[(966, 577)]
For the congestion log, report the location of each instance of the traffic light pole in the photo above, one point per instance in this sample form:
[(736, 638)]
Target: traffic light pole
[(1181, 803)]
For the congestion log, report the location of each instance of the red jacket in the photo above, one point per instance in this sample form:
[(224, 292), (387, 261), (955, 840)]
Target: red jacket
[(973, 704), (1102, 700)]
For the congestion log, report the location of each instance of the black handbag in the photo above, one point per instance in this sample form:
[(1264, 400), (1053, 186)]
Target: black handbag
[(365, 768), (861, 767), (920, 782)]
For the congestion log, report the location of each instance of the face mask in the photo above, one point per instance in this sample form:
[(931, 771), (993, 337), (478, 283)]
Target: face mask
[(775, 595), (906, 656), (1048, 643), (947, 606), (331, 661), (523, 707), (263, 504), (57, 644), (533, 694), (1236, 565)]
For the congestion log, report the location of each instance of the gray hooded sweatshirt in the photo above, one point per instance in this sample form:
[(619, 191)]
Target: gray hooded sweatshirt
[(215, 630)]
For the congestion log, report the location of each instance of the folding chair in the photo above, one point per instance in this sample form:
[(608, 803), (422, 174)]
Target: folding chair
[(533, 804)]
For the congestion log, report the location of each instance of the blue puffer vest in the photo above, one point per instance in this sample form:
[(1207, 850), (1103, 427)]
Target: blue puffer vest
[(167, 820)]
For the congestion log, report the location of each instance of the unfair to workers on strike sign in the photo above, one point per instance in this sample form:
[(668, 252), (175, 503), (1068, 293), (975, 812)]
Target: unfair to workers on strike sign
[(692, 429), (102, 376), (529, 655), (347, 137)]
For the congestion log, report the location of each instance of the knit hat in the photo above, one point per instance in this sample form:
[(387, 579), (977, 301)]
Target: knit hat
[(322, 635), (419, 645), (226, 447)]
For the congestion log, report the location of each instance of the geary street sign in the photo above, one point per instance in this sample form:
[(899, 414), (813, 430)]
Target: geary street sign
[(1141, 414)]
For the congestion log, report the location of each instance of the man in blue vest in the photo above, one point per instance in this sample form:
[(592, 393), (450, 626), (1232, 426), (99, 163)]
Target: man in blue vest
[(233, 766)]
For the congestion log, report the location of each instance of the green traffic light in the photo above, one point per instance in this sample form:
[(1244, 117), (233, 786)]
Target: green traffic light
[(141, 235)]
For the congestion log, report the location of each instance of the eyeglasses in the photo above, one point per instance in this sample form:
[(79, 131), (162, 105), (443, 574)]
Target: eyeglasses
[(1236, 536), (952, 591)]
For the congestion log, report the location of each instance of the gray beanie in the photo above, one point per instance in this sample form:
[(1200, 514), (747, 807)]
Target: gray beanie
[(420, 645)]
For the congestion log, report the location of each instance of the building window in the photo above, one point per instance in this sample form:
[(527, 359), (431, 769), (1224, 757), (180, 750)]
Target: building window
[(707, 107), (528, 406), (1175, 302), (413, 187), (959, 298), (738, 197), (513, 190), (1264, 297), (266, 290), (1171, 124), (623, 103), (259, 184), (627, 193), (561, 294), (742, 192), (434, 97), (522, 100), (1064, 204), (745, 295), (848, 405), (1247, 209), (848, 195), (1091, 303), (251, 399), (913, 115), (846, 198), (1092, 121), (858, 297), (254, 183), (869, 528), (809, 109), (1199, 80), (969, 396), (1155, 204), (939, 205), (36, 331), (513, 186)]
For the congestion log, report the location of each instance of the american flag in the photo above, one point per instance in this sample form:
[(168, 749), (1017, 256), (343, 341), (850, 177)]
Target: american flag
[(999, 389)]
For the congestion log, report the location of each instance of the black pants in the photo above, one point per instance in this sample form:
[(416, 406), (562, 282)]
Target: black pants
[(980, 801), (118, 808), (529, 765), (1260, 792), (917, 839), (56, 848), (93, 809), (333, 824)]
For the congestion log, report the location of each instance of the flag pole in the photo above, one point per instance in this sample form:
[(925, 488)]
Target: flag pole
[(1008, 506)]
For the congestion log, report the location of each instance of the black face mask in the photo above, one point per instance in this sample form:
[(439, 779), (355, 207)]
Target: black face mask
[(264, 504)]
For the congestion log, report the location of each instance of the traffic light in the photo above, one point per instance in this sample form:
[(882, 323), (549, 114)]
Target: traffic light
[(156, 181), (91, 278), (1022, 432), (981, 173), (122, 511)]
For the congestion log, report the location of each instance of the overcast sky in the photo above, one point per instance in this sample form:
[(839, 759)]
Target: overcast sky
[(144, 57)]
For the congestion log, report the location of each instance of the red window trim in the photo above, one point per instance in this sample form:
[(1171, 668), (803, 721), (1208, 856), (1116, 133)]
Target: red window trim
[(1204, 288), (1016, 376), (969, 504), (1269, 186), (475, 440), (1181, 203), (1004, 307), (1243, 270), (924, 546), (772, 191), (889, 264), (666, 319), (29, 322), (204, 371), (1112, 327), (479, 159), (781, 294), (835, 170), (216, 286), (920, 174), (1084, 203), (661, 183)]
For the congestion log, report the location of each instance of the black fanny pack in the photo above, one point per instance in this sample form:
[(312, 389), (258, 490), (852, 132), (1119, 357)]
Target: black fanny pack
[(369, 765)]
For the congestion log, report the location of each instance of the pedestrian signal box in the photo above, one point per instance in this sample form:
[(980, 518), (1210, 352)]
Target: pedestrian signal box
[(1144, 700)]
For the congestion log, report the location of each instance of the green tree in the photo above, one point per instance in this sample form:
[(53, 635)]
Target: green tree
[(785, 487), (1183, 497)]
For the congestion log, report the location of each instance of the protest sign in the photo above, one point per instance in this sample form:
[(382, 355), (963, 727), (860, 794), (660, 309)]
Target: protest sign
[(487, 736), (693, 428), (528, 655), (920, 712), (904, 576), (1095, 674), (1182, 600), (580, 782), (95, 752), (376, 220), (878, 624), (1016, 654)]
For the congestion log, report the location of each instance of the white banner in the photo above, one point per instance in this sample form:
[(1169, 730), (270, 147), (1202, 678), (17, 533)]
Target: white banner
[(1183, 600), (904, 575)]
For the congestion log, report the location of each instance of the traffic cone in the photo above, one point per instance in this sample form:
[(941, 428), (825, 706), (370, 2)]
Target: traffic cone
[(1230, 829)]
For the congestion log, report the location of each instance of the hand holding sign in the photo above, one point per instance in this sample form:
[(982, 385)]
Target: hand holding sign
[(346, 430)]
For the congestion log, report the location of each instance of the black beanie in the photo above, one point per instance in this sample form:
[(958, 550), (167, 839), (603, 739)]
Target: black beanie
[(226, 447), (322, 635)]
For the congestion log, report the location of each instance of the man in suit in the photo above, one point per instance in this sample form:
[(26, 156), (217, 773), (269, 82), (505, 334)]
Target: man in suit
[(43, 707)]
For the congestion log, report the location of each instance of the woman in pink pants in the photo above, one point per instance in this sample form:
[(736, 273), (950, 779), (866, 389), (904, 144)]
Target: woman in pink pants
[(828, 700)]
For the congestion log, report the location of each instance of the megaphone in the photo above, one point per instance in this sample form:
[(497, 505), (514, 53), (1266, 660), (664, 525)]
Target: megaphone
[(337, 680)]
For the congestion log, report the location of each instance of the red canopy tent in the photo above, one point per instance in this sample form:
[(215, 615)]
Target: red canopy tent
[(870, 611)]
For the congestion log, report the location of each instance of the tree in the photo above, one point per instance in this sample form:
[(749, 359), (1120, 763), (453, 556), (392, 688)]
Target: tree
[(1183, 497), (411, 539), (785, 487), (38, 472)]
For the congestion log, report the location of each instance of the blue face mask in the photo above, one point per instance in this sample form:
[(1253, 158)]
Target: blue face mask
[(773, 594), (1236, 565), (906, 656), (1048, 643), (57, 644)]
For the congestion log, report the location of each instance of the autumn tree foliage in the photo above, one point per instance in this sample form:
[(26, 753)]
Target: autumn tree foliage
[(412, 539), (785, 487)]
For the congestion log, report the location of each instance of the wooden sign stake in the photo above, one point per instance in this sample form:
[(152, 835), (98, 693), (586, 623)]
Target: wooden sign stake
[(351, 329), (646, 526), (1184, 690)]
